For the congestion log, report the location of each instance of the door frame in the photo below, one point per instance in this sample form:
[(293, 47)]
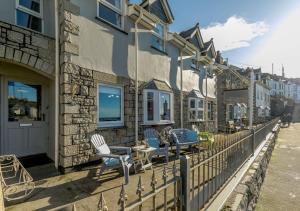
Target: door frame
[(45, 97)]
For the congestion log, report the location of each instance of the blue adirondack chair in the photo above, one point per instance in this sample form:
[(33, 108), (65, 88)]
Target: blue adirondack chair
[(152, 137)]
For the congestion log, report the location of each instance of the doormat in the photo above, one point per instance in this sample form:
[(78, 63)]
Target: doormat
[(35, 160)]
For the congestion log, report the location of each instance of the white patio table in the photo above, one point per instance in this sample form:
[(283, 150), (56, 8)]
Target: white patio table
[(144, 155)]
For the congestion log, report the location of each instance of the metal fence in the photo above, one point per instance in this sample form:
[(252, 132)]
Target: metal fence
[(204, 174), (201, 176), (163, 196)]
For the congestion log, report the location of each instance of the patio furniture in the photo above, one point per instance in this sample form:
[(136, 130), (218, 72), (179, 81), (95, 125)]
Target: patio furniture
[(183, 137), (153, 140), (112, 161), (16, 182), (144, 155)]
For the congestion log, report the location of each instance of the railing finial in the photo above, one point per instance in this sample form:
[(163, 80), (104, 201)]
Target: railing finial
[(140, 188), (123, 198), (102, 203)]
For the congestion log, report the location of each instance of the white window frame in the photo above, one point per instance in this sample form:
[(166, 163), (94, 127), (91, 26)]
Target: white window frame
[(211, 110), (156, 107), (111, 123), (120, 11), (196, 109), (163, 38), (31, 12)]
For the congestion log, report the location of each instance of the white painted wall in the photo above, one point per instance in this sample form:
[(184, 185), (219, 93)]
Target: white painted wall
[(106, 49)]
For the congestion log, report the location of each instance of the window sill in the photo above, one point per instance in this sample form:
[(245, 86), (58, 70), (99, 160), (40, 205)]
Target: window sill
[(191, 121), (111, 127), (157, 123), (111, 25), (163, 52)]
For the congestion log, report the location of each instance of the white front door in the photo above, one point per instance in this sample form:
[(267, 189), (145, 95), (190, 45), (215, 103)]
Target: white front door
[(25, 129)]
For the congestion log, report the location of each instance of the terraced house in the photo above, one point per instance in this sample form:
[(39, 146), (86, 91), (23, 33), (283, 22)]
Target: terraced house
[(116, 69)]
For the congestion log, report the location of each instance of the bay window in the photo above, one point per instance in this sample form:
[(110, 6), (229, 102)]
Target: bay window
[(110, 106), (158, 37), (158, 107), (111, 11), (29, 14), (196, 109)]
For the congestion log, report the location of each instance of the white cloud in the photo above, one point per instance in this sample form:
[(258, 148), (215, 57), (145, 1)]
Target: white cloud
[(282, 47), (235, 33)]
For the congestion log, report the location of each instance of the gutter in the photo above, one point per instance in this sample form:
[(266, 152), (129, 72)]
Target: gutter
[(56, 107), (136, 77)]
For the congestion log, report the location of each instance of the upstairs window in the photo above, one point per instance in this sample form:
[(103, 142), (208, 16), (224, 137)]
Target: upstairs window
[(196, 109), (29, 14), (111, 11), (158, 37)]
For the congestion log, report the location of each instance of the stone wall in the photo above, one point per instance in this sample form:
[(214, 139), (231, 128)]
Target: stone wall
[(78, 97), (28, 48), (245, 195)]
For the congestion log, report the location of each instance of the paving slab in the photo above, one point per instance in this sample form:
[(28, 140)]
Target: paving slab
[(281, 188)]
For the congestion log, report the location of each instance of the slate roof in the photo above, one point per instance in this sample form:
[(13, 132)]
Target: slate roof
[(158, 85), (208, 44), (167, 4), (187, 33), (195, 94)]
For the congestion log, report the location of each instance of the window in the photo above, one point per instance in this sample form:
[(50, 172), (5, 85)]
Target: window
[(29, 14), (158, 107), (158, 37), (230, 112), (111, 11), (210, 111), (165, 109), (195, 109), (110, 106), (194, 64), (24, 102)]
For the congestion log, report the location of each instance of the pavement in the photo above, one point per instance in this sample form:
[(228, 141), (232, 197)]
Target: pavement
[(281, 188)]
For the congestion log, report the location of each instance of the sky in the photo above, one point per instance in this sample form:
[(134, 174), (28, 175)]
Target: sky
[(253, 33)]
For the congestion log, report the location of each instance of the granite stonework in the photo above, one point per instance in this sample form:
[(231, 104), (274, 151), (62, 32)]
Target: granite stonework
[(245, 195), (27, 48)]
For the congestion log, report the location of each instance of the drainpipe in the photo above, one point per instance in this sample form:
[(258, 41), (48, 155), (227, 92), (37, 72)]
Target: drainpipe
[(136, 77), (206, 103), (56, 107), (251, 101), (181, 86)]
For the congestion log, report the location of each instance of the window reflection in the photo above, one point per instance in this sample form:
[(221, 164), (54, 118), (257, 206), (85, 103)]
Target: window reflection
[(150, 110), (110, 103), (31, 4), (24, 102), (29, 21), (165, 106), (110, 15)]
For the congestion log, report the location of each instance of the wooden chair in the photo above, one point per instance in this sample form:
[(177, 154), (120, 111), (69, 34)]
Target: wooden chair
[(112, 161)]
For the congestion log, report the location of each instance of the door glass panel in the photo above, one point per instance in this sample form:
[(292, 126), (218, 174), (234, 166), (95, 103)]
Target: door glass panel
[(24, 102)]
